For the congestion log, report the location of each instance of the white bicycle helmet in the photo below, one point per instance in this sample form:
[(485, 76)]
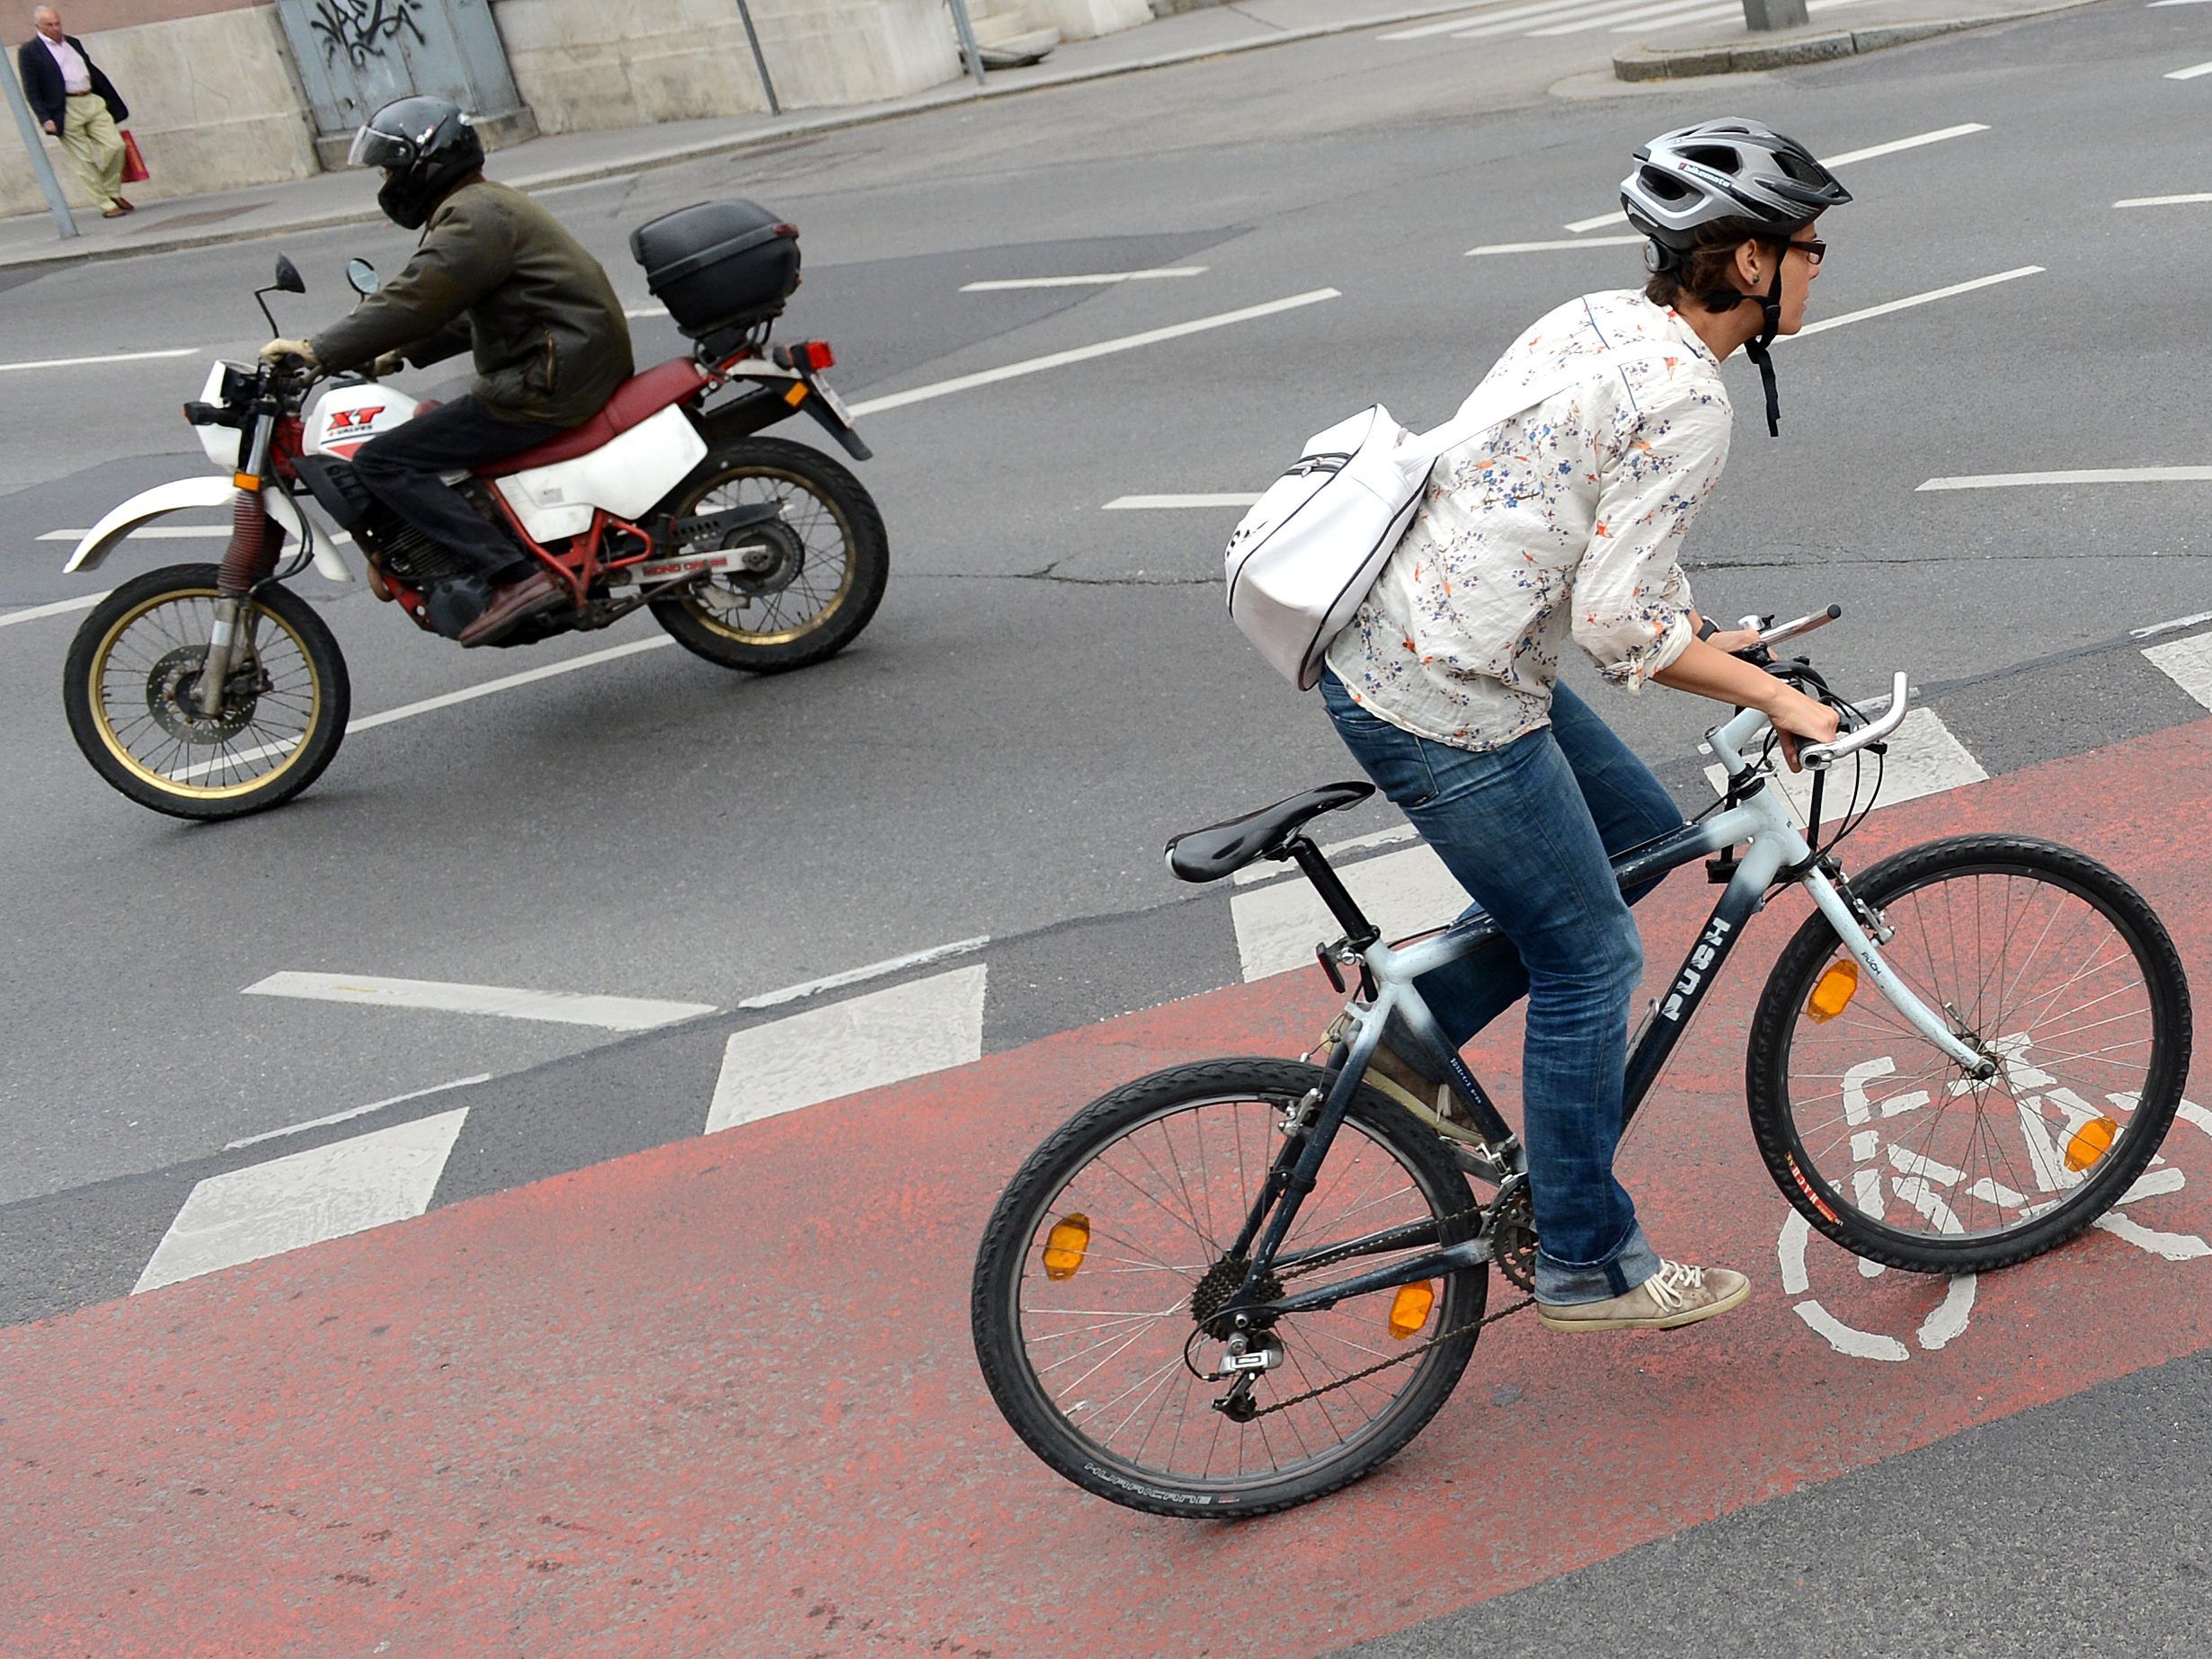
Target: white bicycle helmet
[(1728, 169)]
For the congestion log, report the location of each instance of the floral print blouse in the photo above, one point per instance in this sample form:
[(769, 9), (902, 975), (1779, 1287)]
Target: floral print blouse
[(1565, 522)]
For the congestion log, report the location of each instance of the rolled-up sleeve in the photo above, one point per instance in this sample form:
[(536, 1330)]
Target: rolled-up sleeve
[(1631, 601)]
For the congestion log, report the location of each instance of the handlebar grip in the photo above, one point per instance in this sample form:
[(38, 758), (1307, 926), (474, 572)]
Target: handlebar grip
[(1819, 757)]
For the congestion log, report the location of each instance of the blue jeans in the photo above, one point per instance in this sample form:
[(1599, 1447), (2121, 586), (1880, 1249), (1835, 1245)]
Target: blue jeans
[(1528, 831)]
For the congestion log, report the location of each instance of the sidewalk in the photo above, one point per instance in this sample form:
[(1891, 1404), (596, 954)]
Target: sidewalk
[(720, 1397), (1835, 29), (346, 197), (349, 198)]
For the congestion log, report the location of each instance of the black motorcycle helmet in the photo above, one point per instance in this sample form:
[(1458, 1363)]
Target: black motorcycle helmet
[(425, 147)]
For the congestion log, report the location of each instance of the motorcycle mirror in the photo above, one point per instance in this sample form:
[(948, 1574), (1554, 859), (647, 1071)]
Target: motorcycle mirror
[(288, 277), (362, 277)]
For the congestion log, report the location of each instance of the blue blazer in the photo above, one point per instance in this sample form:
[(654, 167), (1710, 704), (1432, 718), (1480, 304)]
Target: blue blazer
[(42, 88)]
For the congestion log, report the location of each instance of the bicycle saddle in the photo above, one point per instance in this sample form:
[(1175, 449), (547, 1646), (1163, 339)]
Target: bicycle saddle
[(1220, 849)]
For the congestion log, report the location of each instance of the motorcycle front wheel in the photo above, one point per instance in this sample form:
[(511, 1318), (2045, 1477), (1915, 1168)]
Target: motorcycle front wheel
[(810, 578), (129, 689)]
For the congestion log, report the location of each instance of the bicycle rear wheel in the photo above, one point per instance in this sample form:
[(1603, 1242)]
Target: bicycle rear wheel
[(2043, 960), (1118, 1227)]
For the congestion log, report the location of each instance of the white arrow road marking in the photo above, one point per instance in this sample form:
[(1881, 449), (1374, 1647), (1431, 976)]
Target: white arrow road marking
[(886, 1036), (560, 1008), (325, 1192)]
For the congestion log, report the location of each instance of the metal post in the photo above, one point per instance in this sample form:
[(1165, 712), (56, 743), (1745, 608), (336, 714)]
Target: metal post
[(1761, 16), (41, 169), (966, 31), (759, 61)]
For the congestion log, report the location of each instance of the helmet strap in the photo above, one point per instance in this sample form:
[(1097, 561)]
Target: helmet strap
[(1770, 313)]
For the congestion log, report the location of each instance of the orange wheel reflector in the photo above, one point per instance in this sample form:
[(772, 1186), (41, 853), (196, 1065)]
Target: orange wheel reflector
[(1064, 1246), (1410, 1309), (2091, 1142), (1834, 991)]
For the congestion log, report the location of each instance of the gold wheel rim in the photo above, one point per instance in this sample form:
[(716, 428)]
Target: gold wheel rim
[(707, 617), (119, 749)]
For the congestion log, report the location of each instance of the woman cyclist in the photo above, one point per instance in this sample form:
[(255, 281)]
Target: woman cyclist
[(1565, 523)]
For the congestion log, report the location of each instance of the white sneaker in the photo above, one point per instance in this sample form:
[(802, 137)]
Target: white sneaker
[(1676, 1295)]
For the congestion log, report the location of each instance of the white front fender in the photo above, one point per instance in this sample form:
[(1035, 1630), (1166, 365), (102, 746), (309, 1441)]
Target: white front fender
[(181, 493)]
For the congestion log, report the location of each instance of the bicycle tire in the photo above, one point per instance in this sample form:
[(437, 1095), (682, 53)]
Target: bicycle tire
[(1018, 1224), (2041, 1227)]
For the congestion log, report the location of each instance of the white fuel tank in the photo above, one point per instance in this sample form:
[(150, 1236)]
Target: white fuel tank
[(346, 417)]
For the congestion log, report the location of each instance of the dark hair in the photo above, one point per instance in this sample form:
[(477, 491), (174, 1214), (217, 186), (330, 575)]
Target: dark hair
[(1703, 273)]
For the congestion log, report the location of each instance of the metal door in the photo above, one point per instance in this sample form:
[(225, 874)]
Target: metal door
[(357, 55)]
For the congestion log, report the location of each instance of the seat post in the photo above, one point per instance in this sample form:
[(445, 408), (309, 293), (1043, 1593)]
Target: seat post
[(1359, 932)]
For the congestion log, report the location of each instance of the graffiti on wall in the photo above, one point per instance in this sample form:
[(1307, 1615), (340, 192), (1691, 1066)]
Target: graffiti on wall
[(363, 29)]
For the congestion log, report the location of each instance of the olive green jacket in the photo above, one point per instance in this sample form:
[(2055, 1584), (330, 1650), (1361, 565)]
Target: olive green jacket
[(497, 273)]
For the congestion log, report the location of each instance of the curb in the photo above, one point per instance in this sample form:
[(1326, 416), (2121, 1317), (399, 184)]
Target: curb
[(948, 97), (1665, 64)]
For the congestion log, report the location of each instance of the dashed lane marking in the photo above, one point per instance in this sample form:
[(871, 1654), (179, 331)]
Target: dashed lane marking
[(1844, 160), (2156, 628), (1103, 280), (325, 1193), (351, 1113), (1083, 354), (87, 362), (2107, 474), (506, 1002), (2189, 74), (1553, 247), (31, 613), (2167, 201), (2188, 663), (1911, 300), (1149, 503), (884, 1036), (874, 971)]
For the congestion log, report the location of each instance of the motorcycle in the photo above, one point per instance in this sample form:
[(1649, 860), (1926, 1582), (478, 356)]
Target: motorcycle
[(212, 690)]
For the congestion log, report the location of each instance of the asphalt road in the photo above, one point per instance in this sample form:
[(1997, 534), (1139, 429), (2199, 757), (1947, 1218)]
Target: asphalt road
[(1050, 689)]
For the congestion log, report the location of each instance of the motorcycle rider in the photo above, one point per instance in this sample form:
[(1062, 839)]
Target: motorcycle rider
[(494, 272)]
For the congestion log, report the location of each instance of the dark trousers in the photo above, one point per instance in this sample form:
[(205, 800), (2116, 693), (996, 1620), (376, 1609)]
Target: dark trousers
[(401, 470)]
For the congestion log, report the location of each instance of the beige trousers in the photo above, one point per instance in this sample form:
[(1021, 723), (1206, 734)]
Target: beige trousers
[(94, 145)]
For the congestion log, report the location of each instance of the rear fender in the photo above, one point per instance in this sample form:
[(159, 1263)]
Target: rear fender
[(770, 401), (182, 494)]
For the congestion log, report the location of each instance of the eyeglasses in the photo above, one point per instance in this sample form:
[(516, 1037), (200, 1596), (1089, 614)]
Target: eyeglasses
[(1813, 248)]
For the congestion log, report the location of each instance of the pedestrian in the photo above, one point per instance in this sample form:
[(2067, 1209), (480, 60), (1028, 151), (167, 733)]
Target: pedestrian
[(79, 105)]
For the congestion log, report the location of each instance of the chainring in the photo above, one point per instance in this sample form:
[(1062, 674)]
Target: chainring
[(1513, 1237)]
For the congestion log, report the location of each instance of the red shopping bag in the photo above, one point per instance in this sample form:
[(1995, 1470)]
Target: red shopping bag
[(134, 164)]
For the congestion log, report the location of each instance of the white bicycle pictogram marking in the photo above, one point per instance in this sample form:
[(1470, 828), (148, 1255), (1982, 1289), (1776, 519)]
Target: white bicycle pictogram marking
[(1885, 1171)]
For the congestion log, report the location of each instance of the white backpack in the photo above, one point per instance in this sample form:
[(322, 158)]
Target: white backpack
[(1301, 563)]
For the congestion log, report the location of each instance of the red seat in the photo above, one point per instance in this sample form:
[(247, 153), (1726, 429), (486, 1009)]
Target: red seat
[(636, 400)]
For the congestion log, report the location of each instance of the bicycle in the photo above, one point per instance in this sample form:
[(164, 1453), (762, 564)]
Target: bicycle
[(1145, 1305)]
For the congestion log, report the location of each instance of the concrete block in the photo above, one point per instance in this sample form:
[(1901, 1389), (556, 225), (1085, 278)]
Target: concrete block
[(1766, 15), (1085, 20), (1810, 49)]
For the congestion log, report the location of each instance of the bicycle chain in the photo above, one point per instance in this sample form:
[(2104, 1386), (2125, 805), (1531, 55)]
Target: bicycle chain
[(1452, 1336)]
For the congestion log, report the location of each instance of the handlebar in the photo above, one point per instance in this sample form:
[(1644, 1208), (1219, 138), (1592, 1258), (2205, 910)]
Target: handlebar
[(1770, 635), (1819, 757)]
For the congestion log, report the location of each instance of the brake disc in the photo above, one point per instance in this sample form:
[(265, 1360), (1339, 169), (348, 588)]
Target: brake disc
[(173, 684)]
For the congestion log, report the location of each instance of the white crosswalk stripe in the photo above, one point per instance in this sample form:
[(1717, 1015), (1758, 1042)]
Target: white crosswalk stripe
[(1924, 759), (328, 1192), (826, 1053), (2188, 663)]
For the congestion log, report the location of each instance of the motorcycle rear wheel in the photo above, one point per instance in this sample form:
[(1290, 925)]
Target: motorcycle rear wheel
[(127, 684), (831, 560)]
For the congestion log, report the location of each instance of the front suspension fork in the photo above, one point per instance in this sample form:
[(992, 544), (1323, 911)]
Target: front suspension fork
[(249, 560)]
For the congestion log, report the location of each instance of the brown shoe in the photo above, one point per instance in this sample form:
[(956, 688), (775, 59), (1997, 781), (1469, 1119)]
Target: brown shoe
[(115, 212), (124, 203), (1676, 1295), (516, 602)]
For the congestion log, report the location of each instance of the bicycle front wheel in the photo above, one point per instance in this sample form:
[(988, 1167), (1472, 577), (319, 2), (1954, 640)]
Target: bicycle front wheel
[(2039, 958), (1114, 1241)]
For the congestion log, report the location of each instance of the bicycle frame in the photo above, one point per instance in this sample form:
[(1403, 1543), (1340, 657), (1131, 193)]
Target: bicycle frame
[(1775, 851)]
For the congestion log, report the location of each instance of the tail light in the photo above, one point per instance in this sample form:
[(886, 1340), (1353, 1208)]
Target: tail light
[(814, 355)]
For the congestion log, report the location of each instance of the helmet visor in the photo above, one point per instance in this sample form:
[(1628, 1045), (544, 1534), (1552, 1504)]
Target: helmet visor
[(372, 148)]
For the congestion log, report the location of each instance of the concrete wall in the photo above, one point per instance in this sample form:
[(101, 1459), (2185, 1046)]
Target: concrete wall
[(583, 65), (1085, 20), (214, 105)]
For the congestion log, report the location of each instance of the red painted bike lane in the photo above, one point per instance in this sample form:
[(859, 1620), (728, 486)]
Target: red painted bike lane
[(718, 1398)]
